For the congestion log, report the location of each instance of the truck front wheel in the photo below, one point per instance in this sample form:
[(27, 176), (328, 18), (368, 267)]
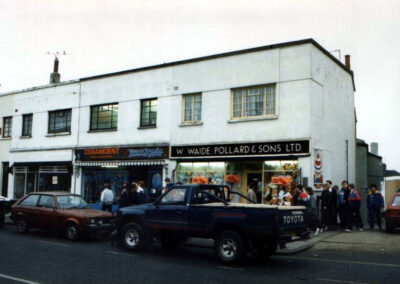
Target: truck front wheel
[(230, 246), (132, 237)]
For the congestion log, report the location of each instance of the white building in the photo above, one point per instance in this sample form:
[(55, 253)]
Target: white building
[(261, 114)]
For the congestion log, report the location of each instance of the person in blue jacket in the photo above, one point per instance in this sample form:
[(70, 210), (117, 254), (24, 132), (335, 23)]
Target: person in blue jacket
[(374, 204)]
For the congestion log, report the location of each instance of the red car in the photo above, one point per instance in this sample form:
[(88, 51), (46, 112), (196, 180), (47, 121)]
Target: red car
[(392, 214)]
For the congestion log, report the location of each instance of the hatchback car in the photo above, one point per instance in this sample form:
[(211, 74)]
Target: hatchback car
[(392, 214), (60, 211)]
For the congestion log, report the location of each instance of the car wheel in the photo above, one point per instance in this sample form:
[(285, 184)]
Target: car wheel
[(230, 247), (22, 225), (72, 232), (132, 237)]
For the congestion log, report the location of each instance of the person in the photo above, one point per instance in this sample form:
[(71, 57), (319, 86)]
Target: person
[(168, 184), (251, 193), (333, 204), (354, 205), (326, 202), (107, 198), (312, 220), (301, 197), (287, 197), (273, 199), (343, 207), (141, 192), (129, 197), (374, 204)]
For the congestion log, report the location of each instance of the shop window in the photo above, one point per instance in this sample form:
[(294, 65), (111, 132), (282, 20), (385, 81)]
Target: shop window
[(256, 101), (59, 121), (27, 125), (205, 173), (104, 117), (192, 108), (7, 126), (148, 112), (24, 181)]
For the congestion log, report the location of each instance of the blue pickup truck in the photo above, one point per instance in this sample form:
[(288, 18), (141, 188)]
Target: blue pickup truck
[(205, 211)]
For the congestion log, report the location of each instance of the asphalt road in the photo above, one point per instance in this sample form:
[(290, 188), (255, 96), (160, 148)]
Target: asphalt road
[(41, 257)]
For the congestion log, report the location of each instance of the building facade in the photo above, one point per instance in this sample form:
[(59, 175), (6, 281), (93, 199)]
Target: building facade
[(269, 115)]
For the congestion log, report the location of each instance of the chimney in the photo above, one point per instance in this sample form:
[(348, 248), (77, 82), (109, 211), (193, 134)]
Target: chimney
[(347, 61), (55, 76), (374, 148)]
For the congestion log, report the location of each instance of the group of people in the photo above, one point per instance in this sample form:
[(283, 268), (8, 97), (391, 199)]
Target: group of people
[(332, 209), (131, 194)]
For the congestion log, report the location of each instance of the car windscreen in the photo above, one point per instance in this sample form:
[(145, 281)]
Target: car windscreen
[(396, 201), (71, 202)]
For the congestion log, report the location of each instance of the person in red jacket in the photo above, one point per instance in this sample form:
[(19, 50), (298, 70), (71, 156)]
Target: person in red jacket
[(354, 205)]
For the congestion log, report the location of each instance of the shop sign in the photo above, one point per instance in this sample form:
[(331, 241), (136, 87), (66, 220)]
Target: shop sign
[(124, 153), (300, 147)]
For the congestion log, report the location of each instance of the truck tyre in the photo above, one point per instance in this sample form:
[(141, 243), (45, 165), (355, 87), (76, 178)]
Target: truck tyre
[(230, 247), (22, 225), (133, 237)]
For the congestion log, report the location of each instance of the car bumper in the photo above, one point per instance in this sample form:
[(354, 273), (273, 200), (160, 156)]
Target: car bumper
[(97, 229), (291, 236)]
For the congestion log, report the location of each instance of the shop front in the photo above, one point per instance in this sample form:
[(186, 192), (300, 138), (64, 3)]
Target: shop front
[(265, 165), (118, 165), (41, 176)]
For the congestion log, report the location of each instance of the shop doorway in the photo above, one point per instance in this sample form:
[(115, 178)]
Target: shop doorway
[(4, 187), (255, 178)]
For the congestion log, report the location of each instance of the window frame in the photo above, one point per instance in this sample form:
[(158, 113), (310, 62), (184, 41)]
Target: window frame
[(149, 113), (68, 126), (243, 108), (7, 126), (111, 117), (192, 120), (27, 132)]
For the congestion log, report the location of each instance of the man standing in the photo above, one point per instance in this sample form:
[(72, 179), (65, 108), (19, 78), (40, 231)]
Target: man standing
[(354, 205), (168, 184), (141, 192), (343, 207), (332, 206), (374, 204), (107, 198)]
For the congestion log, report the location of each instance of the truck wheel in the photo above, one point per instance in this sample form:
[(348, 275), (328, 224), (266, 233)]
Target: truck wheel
[(22, 225), (132, 237), (230, 246), (72, 232)]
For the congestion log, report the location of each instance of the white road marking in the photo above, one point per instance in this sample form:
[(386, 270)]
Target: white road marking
[(230, 268), (55, 244), (20, 280), (339, 281), (120, 253), (342, 261)]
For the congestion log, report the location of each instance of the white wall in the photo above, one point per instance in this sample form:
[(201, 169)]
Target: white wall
[(6, 109)]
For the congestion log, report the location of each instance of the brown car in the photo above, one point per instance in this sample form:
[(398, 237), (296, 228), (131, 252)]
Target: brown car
[(60, 211), (392, 214)]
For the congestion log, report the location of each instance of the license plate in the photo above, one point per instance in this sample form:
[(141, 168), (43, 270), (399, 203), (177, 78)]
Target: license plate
[(293, 219)]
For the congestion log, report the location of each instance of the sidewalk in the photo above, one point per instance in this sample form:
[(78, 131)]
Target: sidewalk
[(291, 247)]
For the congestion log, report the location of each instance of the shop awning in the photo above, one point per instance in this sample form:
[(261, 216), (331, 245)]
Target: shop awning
[(112, 164)]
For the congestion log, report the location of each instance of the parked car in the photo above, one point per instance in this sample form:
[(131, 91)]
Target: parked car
[(392, 215), (5, 207), (205, 211), (60, 211)]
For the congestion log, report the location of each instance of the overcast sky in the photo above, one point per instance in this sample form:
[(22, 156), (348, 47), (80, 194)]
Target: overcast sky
[(102, 36)]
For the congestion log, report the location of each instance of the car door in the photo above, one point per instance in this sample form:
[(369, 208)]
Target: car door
[(27, 209), (46, 212), (171, 211)]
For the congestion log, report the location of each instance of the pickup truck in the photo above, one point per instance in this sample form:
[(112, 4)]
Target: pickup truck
[(205, 211)]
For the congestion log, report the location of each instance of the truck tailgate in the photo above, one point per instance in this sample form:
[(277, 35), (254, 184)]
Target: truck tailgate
[(292, 223)]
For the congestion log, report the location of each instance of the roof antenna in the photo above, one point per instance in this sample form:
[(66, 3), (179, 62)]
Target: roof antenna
[(55, 76), (338, 51)]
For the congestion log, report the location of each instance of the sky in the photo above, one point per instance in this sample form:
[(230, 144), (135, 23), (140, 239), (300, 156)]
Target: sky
[(103, 36)]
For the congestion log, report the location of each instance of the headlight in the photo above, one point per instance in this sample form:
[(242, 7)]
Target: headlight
[(92, 221)]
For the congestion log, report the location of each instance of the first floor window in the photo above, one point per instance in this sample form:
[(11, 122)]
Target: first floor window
[(192, 108), (148, 114), (253, 101), (60, 121), (7, 126), (27, 125), (104, 117)]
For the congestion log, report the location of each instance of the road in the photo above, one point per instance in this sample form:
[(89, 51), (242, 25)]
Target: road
[(42, 257)]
